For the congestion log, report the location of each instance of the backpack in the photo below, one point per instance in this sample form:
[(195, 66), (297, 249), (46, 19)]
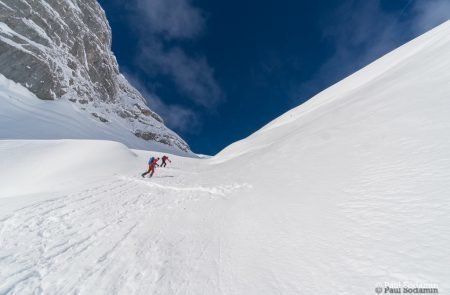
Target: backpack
[(151, 160)]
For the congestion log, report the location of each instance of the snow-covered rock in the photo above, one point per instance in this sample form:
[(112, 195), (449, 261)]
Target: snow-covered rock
[(24, 116), (61, 49)]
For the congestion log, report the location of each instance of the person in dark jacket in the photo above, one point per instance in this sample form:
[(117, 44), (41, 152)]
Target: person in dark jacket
[(164, 159), (152, 163)]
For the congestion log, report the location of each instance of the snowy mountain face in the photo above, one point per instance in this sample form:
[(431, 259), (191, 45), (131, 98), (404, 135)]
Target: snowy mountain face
[(61, 50), (346, 194)]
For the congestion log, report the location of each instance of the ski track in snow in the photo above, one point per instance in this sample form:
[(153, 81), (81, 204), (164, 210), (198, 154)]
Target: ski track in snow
[(220, 191), (98, 233)]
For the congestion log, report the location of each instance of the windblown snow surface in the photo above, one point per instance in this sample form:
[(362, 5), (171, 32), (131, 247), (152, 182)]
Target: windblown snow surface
[(341, 195)]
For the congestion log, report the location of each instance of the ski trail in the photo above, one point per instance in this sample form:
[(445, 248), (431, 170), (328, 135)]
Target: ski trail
[(37, 238), (221, 190), (111, 237)]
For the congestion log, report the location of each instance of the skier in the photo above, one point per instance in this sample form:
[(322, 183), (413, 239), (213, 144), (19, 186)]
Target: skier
[(151, 166), (164, 159)]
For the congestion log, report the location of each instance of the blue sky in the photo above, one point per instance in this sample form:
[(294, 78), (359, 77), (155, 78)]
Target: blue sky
[(217, 71)]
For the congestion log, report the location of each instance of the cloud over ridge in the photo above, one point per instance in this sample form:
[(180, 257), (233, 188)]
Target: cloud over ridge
[(361, 32)]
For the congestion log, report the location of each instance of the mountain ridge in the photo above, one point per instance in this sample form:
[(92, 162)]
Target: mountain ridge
[(61, 50)]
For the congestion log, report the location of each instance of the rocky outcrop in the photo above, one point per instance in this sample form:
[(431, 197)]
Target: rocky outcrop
[(61, 49)]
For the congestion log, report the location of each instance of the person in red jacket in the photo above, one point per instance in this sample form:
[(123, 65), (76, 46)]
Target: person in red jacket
[(164, 159), (152, 163)]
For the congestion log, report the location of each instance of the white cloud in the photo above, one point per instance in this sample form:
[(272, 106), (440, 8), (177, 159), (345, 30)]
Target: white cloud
[(193, 76), (173, 19), (431, 13), (164, 26)]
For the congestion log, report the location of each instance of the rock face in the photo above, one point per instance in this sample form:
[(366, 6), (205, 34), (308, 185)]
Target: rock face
[(61, 49)]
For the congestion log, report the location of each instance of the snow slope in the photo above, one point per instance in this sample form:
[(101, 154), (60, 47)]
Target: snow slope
[(24, 116), (353, 185), (341, 195), (36, 172)]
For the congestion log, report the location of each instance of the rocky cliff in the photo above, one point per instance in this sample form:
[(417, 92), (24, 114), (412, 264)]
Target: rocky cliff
[(61, 49)]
